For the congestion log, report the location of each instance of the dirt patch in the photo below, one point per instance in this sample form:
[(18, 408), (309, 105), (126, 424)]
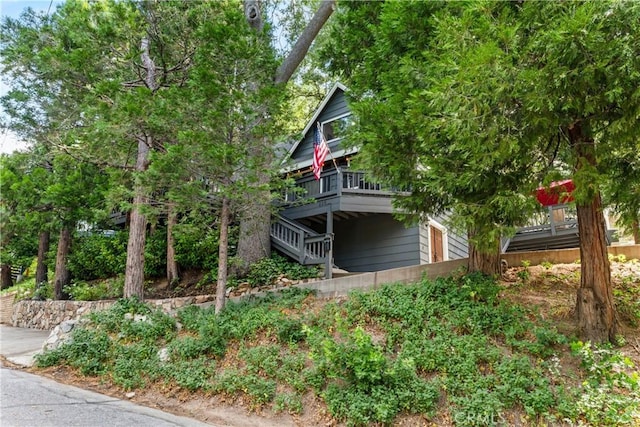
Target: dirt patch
[(192, 283), (550, 290)]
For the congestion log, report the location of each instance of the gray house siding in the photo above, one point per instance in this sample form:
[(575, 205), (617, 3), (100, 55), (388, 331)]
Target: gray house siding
[(374, 243), (336, 107), (424, 244), (458, 246)]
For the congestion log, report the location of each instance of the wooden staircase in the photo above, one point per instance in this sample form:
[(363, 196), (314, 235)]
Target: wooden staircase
[(302, 244)]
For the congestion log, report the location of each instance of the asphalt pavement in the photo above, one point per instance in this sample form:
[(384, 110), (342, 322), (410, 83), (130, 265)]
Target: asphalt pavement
[(19, 345), (30, 400)]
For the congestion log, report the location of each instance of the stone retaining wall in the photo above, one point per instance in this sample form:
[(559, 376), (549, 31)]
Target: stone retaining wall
[(6, 307), (48, 314)]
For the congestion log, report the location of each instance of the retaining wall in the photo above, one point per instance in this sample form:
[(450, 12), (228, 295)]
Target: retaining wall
[(565, 256), (48, 314), (342, 285), (6, 307)]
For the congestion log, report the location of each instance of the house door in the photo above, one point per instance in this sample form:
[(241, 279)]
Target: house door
[(437, 248)]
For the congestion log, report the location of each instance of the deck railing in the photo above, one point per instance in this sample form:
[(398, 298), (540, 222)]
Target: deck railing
[(557, 224), (337, 182), (303, 244)]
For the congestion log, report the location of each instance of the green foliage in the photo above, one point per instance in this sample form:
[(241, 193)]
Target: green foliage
[(400, 349), (135, 321), (626, 295), (192, 374), (197, 245), (43, 291), (288, 402), (134, 364), (98, 256), (27, 289), (97, 290), (89, 351), (609, 396), (524, 275), (546, 265), (267, 270), (155, 253)]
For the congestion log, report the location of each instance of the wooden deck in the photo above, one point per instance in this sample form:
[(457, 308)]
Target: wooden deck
[(344, 192), (560, 231)]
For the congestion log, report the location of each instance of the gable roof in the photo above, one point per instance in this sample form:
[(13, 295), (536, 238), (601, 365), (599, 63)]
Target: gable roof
[(313, 119)]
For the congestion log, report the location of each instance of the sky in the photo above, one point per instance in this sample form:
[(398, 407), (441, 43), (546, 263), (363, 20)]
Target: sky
[(9, 142)]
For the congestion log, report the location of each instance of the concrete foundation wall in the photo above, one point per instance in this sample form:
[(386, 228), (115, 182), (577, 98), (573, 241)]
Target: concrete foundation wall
[(343, 285), (565, 256)]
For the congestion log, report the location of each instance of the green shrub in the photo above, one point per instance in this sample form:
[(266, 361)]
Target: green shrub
[(610, 394), (96, 256), (626, 294), (89, 351), (133, 320), (193, 374), (197, 245), (370, 387), (155, 253), (267, 270), (98, 290), (134, 364)]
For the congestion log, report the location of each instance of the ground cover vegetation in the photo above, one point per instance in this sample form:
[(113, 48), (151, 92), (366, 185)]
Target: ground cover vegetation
[(453, 351)]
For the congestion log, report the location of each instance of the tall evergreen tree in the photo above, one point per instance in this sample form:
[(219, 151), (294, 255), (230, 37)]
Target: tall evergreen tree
[(472, 104)]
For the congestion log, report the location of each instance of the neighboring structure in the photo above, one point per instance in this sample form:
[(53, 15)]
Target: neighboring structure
[(556, 227), (348, 218)]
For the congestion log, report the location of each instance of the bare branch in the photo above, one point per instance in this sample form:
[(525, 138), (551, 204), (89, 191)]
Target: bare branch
[(300, 49)]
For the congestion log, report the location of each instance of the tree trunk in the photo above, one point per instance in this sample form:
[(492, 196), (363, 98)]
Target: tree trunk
[(635, 229), (172, 266), (254, 242), (62, 276), (134, 270), (484, 262), (596, 312), (41, 268), (595, 308), (6, 281), (221, 290)]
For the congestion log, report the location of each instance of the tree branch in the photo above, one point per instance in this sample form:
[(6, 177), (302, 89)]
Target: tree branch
[(300, 49)]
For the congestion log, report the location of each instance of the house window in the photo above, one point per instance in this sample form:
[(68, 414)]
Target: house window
[(336, 128)]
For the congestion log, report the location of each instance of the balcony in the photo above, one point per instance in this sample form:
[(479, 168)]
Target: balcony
[(336, 183)]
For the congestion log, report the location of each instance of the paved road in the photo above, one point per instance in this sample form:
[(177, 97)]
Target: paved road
[(32, 401), (29, 400), (19, 345)]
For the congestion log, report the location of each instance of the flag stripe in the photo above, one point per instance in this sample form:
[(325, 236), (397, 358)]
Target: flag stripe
[(320, 151)]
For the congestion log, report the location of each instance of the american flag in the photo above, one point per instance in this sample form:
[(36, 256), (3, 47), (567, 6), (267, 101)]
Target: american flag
[(320, 150)]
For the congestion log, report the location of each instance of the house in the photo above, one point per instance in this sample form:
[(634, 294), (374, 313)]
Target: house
[(347, 221)]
